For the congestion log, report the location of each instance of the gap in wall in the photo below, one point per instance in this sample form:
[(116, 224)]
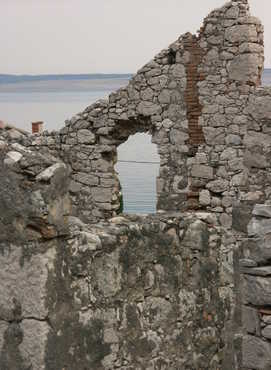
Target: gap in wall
[(138, 168)]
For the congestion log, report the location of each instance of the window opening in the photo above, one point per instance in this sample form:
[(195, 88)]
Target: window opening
[(138, 168)]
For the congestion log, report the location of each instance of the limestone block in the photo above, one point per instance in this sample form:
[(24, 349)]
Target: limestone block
[(258, 249), (49, 172), (251, 320), (233, 140), (86, 179), (260, 108), (214, 136), (108, 273), (257, 290), (196, 236), (241, 33), (12, 157), (259, 227), (147, 108), (256, 353), (164, 97), (147, 94), (85, 136), (178, 137), (263, 210), (101, 195), (202, 171), (244, 68), (25, 280), (266, 332), (250, 47), (204, 198), (218, 186), (178, 71), (232, 12)]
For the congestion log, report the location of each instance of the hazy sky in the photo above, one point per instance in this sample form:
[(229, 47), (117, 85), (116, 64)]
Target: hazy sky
[(89, 36)]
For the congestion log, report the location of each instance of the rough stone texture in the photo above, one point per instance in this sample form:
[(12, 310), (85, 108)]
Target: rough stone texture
[(84, 289)]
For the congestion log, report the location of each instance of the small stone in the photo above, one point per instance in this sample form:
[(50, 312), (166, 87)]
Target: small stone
[(245, 262), (85, 137), (262, 210), (204, 197), (218, 186), (266, 332), (202, 171), (256, 353), (12, 157), (47, 174)]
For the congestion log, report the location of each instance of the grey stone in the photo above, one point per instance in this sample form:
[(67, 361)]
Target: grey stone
[(202, 171), (256, 353), (196, 236), (244, 68), (218, 186), (102, 195), (13, 157), (257, 271), (241, 33), (204, 197), (257, 290), (263, 210), (251, 320), (178, 71), (266, 332), (259, 227), (85, 136), (260, 107), (86, 179), (233, 139), (50, 172), (164, 97), (148, 108)]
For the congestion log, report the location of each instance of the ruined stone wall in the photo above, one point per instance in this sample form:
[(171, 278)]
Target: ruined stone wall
[(130, 293), (186, 290)]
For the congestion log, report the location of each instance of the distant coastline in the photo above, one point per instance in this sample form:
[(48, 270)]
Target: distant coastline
[(9, 78)]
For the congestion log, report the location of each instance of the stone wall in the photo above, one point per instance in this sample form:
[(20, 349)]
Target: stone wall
[(187, 288), (129, 293)]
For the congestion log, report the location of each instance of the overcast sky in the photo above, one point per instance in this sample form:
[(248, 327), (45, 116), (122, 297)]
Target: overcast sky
[(90, 36)]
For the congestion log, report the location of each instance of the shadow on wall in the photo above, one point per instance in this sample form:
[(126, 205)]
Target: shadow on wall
[(138, 168)]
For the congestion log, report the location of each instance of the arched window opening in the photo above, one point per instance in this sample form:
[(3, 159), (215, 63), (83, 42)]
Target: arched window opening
[(138, 168)]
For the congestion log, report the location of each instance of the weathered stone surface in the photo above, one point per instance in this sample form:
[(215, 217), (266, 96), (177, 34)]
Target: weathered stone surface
[(202, 171), (241, 33), (85, 137), (218, 186), (259, 227), (260, 107), (256, 353), (244, 67), (148, 108), (258, 249), (266, 332), (205, 198), (196, 236), (257, 290), (159, 292), (251, 320), (47, 174), (263, 210)]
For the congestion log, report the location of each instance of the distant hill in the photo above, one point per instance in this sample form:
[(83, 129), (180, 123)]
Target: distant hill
[(6, 78)]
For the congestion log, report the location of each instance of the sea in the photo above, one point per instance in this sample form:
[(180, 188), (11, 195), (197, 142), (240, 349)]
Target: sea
[(54, 101)]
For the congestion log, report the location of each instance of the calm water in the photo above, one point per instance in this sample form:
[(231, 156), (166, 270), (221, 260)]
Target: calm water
[(55, 101)]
